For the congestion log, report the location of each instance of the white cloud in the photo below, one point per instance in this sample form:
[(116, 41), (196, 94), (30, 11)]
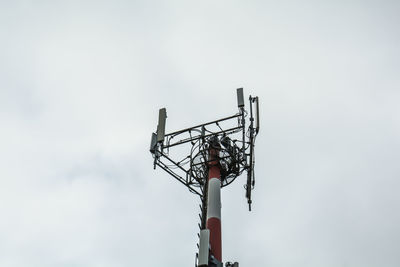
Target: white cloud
[(80, 86)]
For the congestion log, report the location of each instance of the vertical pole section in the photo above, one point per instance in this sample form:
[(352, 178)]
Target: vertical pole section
[(214, 205)]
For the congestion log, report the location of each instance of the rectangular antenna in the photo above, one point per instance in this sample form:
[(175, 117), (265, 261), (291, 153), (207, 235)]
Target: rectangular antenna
[(162, 116), (240, 98), (258, 116), (204, 247), (153, 143)]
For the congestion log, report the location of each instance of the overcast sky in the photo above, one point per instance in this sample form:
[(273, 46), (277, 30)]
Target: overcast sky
[(81, 83)]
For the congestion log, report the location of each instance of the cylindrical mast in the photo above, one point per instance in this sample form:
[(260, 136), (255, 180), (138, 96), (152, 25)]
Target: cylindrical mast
[(214, 205)]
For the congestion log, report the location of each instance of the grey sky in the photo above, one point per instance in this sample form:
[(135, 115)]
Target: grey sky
[(81, 83)]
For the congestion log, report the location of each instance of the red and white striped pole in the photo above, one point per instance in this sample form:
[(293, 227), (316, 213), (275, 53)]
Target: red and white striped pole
[(214, 205)]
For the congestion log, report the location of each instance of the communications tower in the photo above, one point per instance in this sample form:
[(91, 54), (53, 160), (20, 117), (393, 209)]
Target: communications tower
[(217, 152)]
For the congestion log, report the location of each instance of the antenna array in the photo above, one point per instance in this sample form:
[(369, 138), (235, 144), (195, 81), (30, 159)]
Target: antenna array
[(221, 149)]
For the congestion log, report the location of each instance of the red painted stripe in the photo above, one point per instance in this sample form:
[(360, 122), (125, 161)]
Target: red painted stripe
[(214, 172), (214, 224)]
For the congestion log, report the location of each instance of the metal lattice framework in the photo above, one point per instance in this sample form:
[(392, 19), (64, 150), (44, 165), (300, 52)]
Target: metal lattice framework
[(235, 145), (225, 145)]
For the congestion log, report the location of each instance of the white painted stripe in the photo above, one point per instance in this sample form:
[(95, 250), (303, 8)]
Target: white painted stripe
[(214, 198)]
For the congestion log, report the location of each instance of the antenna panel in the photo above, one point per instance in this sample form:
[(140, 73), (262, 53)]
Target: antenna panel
[(162, 117), (240, 98), (153, 143), (204, 247), (257, 116)]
